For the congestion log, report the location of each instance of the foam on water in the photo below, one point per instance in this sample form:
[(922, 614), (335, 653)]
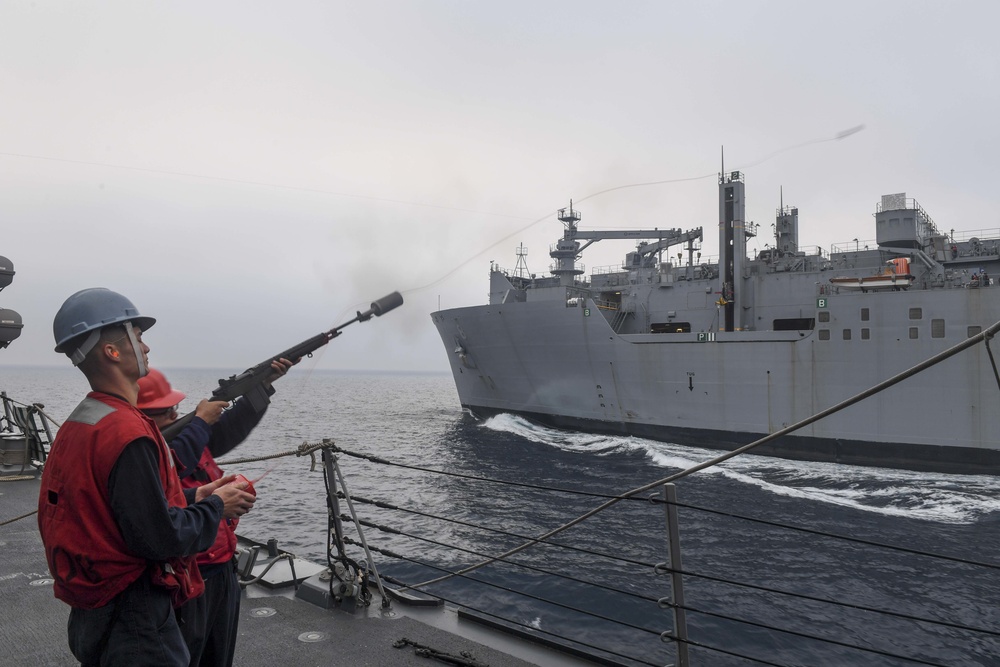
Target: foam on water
[(958, 499)]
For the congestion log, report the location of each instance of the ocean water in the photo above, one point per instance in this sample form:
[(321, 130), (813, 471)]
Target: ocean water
[(416, 421)]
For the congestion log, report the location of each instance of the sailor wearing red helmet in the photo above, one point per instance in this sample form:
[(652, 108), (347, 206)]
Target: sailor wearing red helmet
[(119, 532), (211, 620)]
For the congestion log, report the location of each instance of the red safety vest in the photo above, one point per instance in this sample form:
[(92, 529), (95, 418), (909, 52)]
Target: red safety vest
[(86, 553), (225, 540)]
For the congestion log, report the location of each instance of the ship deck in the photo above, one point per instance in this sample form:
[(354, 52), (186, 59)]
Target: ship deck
[(275, 626)]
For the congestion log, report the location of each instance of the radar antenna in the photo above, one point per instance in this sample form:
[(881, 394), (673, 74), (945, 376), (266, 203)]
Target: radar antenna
[(569, 216)]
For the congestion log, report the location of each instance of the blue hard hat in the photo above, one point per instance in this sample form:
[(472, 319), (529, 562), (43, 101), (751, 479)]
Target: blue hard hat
[(90, 309)]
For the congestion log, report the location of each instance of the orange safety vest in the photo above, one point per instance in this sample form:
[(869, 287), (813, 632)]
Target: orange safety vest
[(225, 540), (85, 550)]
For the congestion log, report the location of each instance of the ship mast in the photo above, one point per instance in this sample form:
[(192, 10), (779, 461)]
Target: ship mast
[(521, 270), (567, 249), (732, 248), (786, 229)]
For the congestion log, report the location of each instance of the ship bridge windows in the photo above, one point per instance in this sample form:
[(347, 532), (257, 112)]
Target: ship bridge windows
[(798, 323), (824, 316), (670, 327), (974, 330), (916, 313), (865, 315), (937, 328)]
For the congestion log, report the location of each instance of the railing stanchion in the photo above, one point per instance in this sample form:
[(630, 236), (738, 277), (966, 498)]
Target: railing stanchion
[(676, 580)]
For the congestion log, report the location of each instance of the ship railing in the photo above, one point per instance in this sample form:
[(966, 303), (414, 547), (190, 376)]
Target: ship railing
[(896, 203), (570, 267), (607, 270), (980, 234), (26, 433), (854, 245), (616, 596), (678, 268), (900, 203), (607, 305), (639, 594), (814, 251)]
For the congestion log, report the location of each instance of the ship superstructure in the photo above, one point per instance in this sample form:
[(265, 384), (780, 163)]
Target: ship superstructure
[(678, 346)]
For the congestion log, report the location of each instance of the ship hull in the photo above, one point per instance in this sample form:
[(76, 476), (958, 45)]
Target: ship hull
[(566, 367), (953, 460)]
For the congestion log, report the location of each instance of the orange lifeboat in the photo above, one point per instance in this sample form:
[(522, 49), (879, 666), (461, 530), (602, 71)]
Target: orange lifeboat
[(896, 276)]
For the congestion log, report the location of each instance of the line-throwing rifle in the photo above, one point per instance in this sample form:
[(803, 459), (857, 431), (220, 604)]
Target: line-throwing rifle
[(250, 384)]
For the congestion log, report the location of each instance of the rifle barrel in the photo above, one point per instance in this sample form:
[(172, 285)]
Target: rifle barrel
[(378, 308)]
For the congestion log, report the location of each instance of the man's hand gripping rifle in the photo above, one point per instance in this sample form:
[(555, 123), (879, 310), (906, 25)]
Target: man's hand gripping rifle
[(251, 384)]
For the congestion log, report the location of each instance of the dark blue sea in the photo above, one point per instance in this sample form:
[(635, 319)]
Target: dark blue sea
[(416, 421)]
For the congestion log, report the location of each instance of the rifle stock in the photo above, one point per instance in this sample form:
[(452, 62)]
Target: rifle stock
[(251, 383)]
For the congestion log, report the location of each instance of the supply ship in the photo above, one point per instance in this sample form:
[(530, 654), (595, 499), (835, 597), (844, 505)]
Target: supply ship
[(720, 352)]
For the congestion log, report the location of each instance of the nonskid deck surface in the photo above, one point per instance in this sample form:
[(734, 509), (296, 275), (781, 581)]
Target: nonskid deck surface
[(275, 628)]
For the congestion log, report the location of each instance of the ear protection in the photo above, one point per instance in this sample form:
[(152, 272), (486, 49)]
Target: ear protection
[(115, 354)]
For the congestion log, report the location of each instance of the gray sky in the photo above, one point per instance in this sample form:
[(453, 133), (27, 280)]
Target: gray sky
[(252, 173)]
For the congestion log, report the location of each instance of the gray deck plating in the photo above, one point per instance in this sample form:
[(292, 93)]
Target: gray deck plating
[(275, 629)]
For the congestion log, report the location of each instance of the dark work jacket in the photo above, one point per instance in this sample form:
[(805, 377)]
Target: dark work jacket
[(111, 504), (195, 448)]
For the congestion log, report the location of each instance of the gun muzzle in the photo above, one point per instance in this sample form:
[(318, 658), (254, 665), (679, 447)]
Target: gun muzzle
[(382, 306)]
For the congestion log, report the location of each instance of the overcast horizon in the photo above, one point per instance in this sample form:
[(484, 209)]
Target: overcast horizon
[(253, 174)]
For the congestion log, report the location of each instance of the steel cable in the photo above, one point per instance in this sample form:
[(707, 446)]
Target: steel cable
[(658, 501), (497, 531), (846, 538), (530, 596), (731, 582), (530, 628), (533, 568), (804, 635)]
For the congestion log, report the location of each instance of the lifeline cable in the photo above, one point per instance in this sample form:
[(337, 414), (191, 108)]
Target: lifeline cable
[(664, 568), (837, 137), (846, 538), (530, 596), (533, 568), (302, 450), (658, 501), (843, 134), (661, 567), (804, 635), (497, 531), (532, 630), (813, 598), (37, 406), (764, 626)]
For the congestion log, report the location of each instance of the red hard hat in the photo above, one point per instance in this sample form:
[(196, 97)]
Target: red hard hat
[(155, 392)]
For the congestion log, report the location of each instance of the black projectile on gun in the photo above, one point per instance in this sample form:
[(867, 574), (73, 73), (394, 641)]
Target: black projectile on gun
[(251, 383)]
